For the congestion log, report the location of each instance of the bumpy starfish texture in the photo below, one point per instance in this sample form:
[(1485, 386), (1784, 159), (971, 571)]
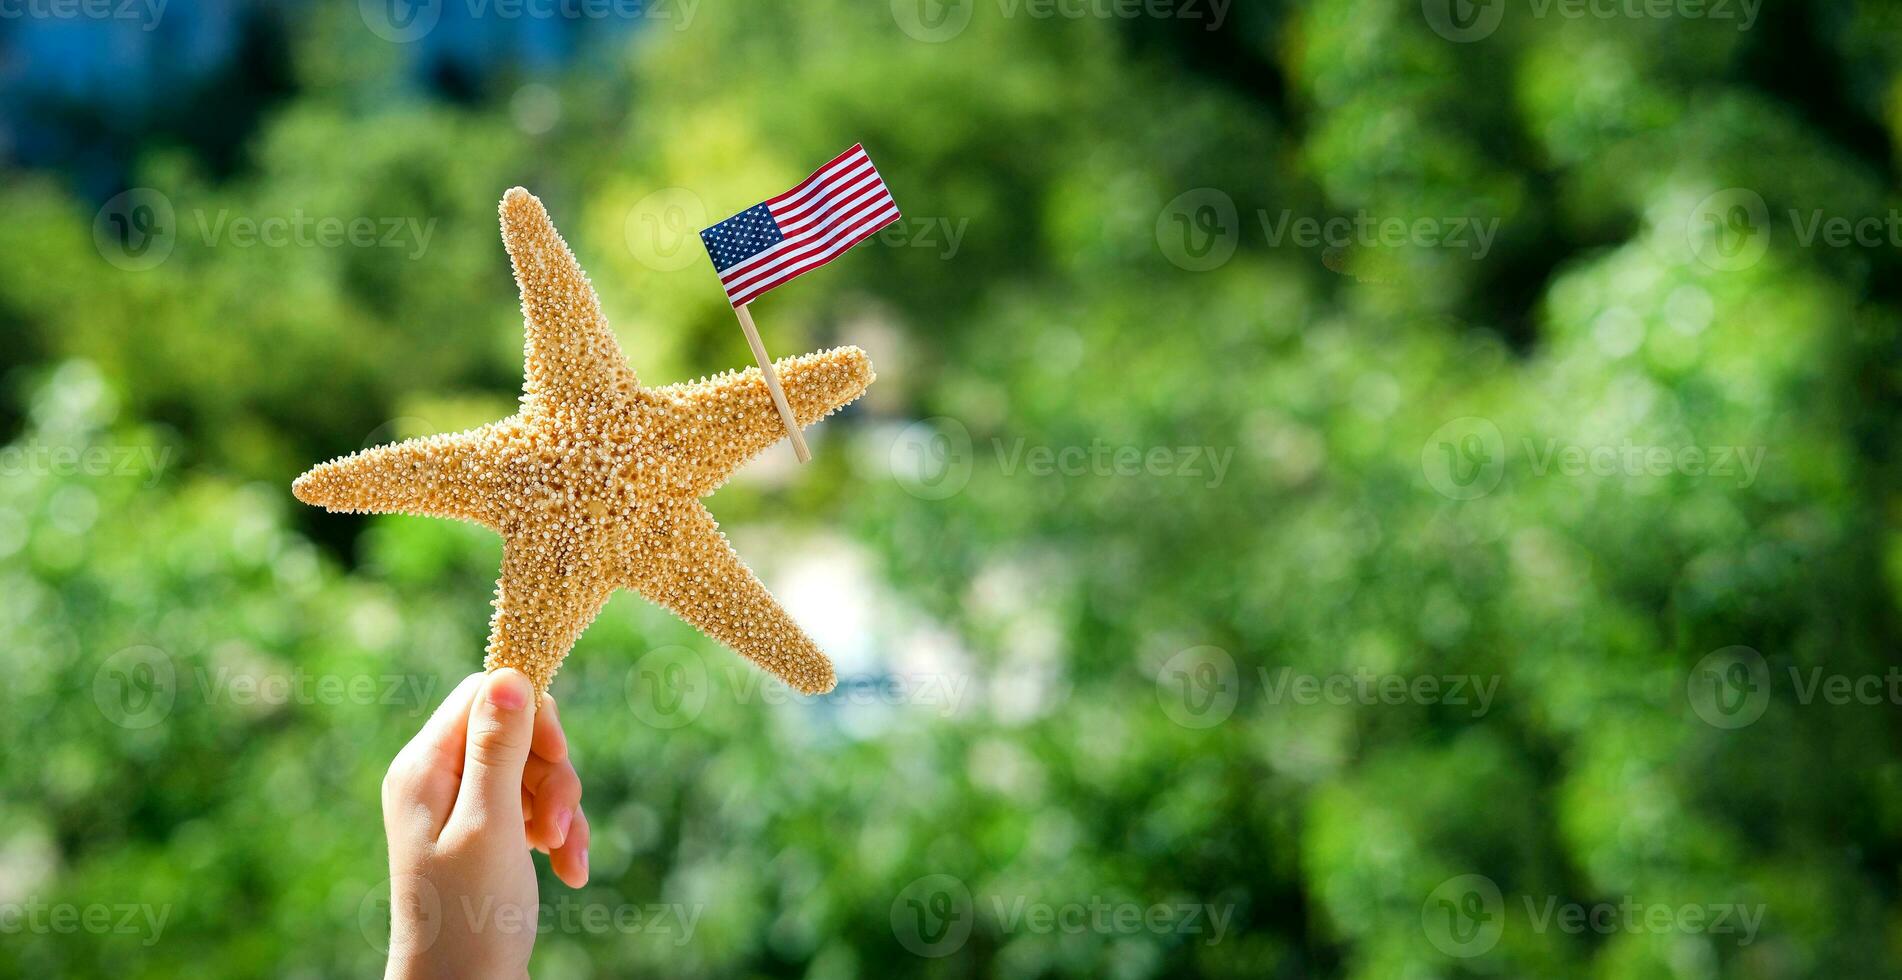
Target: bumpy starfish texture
[(595, 484)]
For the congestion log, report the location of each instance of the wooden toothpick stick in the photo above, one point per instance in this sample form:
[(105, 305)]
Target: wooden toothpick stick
[(772, 382)]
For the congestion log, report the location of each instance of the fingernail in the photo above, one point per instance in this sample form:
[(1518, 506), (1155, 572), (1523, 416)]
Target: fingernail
[(584, 867), (562, 820), (508, 690)]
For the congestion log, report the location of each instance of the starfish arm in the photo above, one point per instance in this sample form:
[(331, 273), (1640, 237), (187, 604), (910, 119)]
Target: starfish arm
[(688, 567), (572, 358), (711, 427), (435, 476), (550, 590)]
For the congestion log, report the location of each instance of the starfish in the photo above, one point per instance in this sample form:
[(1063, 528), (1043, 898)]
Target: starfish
[(595, 483)]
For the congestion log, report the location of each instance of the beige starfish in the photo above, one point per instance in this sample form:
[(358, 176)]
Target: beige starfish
[(595, 484)]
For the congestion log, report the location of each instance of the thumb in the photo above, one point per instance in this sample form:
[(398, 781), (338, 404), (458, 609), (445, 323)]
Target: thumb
[(501, 728)]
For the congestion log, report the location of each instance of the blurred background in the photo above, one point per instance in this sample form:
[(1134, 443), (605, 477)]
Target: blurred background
[(1353, 489)]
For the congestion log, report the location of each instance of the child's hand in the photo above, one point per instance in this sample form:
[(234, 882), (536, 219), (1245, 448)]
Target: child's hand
[(486, 779)]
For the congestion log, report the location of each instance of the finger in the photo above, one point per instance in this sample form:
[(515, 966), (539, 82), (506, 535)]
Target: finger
[(551, 742), (420, 788), (556, 790), (570, 860), (501, 726)]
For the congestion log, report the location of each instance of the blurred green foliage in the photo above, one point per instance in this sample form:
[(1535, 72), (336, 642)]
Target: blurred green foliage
[(1057, 146)]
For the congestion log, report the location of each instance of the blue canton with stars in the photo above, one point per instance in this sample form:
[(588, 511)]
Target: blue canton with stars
[(741, 237)]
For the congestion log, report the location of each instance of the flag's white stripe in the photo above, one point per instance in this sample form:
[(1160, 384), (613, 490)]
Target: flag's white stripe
[(851, 162), (831, 228), (865, 230)]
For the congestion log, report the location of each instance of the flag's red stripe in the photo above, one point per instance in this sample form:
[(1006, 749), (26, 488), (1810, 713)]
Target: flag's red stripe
[(858, 148), (866, 230), (835, 224)]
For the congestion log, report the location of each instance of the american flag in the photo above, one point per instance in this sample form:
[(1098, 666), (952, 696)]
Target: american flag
[(842, 204)]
